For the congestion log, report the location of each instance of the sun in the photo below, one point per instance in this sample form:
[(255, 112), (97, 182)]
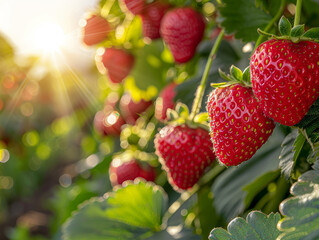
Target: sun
[(48, 37)]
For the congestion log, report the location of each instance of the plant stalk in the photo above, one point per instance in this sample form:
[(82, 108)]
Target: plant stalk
[(298, 12), (201, 88), (271, 23), (214, 172)]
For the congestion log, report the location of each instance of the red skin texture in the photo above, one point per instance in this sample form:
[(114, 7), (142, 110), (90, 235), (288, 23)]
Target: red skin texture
[(103, 127), (129, 171), (152, 17), (118, 64), (134, 6), (182, 30), (238, 126), (131, 110), (285, 78), (165, 101), (184, 153), (95, 30)]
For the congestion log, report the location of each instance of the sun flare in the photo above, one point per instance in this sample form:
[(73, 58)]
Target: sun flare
[(48, 37)]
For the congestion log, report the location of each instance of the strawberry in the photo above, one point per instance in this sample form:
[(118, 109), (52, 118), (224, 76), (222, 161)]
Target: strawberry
[(165, 101), (131, 110), (151, 19), (134, 6), (116, 62), (95, 30), (238, 125), (184, 153), (129, 170), (182, 30), (108, 123), (285, 78)]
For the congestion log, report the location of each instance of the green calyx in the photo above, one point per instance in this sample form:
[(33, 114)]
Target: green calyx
[(236, 76), (181, 116), (294, 34)]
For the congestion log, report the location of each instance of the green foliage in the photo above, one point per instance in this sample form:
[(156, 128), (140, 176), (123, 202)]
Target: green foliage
[(243, 18), (311, 122), (6, 50), (132, 212), (301, 211), (256, 226), (291, 148)]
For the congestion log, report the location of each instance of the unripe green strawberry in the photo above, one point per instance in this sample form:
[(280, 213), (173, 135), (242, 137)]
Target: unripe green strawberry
[(285, 78), (184, 153), (238, 126)]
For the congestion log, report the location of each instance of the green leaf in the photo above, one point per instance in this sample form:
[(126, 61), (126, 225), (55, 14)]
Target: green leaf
[(242, 17), (311, 122), (132, 212), (314, 155), (312, 33), (257, 226), (236, 73), (291, 147), (149, 69), (284, 26), (301, 212), (258, 185), (297, 31), (228, 188)]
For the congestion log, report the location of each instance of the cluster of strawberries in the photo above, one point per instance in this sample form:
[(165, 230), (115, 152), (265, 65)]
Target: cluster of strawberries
[(280, 86)]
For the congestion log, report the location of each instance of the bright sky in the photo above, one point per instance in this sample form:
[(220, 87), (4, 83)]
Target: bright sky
[(24, 21)]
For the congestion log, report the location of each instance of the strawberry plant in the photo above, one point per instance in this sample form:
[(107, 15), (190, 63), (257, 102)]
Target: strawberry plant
[(184, 150)]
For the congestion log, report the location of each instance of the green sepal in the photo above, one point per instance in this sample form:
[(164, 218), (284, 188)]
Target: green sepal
[(284, 26), (224, 75), (297, 31), (172, 114), (236, 73), (312, 33), (182, 110), (201, 117), (246, 75)]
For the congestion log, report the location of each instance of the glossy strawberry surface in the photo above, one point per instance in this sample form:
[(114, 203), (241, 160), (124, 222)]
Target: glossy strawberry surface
[(165, 101), (238, 126), (118, 64), (95, 30), (182, 30), (285, 78), (184, 153), (152, 17), (108, 123), (123, 171)]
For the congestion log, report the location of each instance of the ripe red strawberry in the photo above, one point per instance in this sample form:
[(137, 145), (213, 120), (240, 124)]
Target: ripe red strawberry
[(184, 153), (95, 30), (134, 6), (108, 123), (238, 125), (182, 30), (165, 101), (123, 171), (285, 78), (152, 17), (118, 64), (131, 110)]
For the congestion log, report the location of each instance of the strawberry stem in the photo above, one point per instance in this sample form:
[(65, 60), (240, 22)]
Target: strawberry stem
[(201, 88), (271, 23), (298, 12), (105, 10), (213, 173)]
